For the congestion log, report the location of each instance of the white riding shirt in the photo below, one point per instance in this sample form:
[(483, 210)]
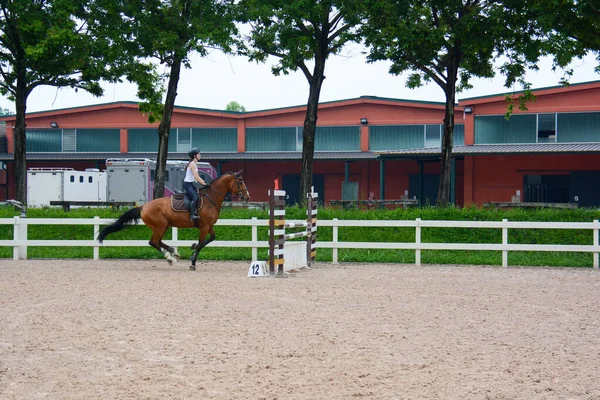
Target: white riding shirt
[(189, 175)]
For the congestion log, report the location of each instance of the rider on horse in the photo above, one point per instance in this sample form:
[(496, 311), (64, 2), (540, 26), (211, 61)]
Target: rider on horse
[(191, 175)]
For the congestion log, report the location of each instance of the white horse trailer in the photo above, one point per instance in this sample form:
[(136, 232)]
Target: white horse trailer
[(64, 184), (45, 185), (88, 185)]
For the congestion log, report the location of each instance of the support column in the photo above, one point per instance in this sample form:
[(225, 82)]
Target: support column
[(453, 180), (421, 181), (382, 179), (241, 136), (347, 172), (124, 141), (470, 127), (364, 138), (469, 167)]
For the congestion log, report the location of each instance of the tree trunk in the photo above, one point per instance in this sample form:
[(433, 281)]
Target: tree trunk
[(165, 128), (443, 198), (20, 150), (310, 127)]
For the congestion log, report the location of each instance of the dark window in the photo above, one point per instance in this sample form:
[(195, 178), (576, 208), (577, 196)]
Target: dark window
[(546, 128), (89, 179), (72, 178), (546, 189)]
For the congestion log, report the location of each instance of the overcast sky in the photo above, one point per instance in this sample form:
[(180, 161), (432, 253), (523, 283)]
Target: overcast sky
[(217, 79)]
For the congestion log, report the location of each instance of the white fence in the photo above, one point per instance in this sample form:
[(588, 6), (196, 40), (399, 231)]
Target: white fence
[(20, 242)]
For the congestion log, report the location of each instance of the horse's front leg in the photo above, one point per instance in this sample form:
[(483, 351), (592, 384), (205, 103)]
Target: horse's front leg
[(203, 240)]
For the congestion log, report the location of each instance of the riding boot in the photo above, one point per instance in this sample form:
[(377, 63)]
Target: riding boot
[(193, 212)]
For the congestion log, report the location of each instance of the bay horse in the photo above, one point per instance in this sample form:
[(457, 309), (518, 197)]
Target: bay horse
[(158, 215)]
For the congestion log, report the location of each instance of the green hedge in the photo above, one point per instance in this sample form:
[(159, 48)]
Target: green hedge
[(433, 235)]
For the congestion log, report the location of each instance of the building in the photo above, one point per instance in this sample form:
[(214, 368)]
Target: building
[(368, 146)]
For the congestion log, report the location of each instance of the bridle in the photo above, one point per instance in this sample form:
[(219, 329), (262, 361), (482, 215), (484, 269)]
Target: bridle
[(241, 193)]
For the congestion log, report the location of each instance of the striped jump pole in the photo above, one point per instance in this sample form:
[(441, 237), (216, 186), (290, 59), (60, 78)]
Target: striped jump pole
[(278, 225)]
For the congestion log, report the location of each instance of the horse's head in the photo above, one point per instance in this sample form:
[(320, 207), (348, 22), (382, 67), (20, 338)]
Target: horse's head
[(238, 187)]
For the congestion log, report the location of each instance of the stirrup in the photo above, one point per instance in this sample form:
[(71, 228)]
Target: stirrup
[(194, 217)]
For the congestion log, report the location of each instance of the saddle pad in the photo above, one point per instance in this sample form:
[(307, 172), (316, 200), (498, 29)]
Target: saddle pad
[(178, 203)]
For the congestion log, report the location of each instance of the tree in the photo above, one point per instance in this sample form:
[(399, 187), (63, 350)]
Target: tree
[(296, 33), (572, 28), (5, 111), (235, 106), (169, 31), (449, 42), (56, 43)]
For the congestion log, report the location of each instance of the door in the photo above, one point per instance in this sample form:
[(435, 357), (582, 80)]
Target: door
[(431, 183), (291, 185), (585, 189)]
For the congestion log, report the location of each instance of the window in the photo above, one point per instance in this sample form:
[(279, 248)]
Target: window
[(215, 139), (496, 129), (271, 139), (396, 137), (546, 128), (433, 136), (43, 140)]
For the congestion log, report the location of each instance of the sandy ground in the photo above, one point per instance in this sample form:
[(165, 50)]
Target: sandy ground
[(116, 329)]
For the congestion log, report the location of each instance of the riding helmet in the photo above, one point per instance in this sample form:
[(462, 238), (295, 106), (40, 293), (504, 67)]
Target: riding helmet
[(192, 153)]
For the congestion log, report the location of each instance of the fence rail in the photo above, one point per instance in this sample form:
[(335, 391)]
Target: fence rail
[(20, 242)]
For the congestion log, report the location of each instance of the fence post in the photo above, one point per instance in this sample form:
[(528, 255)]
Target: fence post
[(504, 242), (595, 230), (418, 242), (335, 241), (96, 232), (20, 233), (254, 239), (174, 237)]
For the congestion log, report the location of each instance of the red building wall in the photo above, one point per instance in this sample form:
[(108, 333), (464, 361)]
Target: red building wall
[(497, 178)]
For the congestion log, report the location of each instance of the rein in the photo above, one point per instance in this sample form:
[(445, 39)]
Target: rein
[(221, 194)]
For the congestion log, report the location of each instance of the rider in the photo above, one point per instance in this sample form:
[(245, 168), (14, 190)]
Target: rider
[(191, 175)]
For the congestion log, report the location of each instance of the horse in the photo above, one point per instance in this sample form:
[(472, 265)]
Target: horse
[(159, 215)]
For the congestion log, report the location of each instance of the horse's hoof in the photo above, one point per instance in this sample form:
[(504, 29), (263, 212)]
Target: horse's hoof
[(170, 262), (192, 267), (177, 257)]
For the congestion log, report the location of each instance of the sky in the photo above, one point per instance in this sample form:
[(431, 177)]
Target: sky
[(217, 79)]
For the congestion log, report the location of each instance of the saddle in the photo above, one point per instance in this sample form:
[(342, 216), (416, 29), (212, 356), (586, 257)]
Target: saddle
[(180, 203)]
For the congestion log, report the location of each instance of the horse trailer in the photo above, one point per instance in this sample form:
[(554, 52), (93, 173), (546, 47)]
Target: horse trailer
[(125, 180), (133, 179), (64, 184)]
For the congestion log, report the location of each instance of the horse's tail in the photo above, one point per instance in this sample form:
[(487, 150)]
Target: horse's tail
[(129, 218)]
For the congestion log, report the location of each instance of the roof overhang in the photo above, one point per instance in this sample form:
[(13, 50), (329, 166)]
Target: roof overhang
[(214, 157), (497, 149)]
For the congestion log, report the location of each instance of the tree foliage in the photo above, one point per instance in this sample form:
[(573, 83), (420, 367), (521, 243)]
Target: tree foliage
[(449, 42), (235, 106), (61, 43), (168, 32), (572, 28), (301, 33)]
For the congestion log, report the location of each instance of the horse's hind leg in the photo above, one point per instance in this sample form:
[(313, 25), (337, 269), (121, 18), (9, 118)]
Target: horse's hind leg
[(202, 242), (174, 255), (157, 243)]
